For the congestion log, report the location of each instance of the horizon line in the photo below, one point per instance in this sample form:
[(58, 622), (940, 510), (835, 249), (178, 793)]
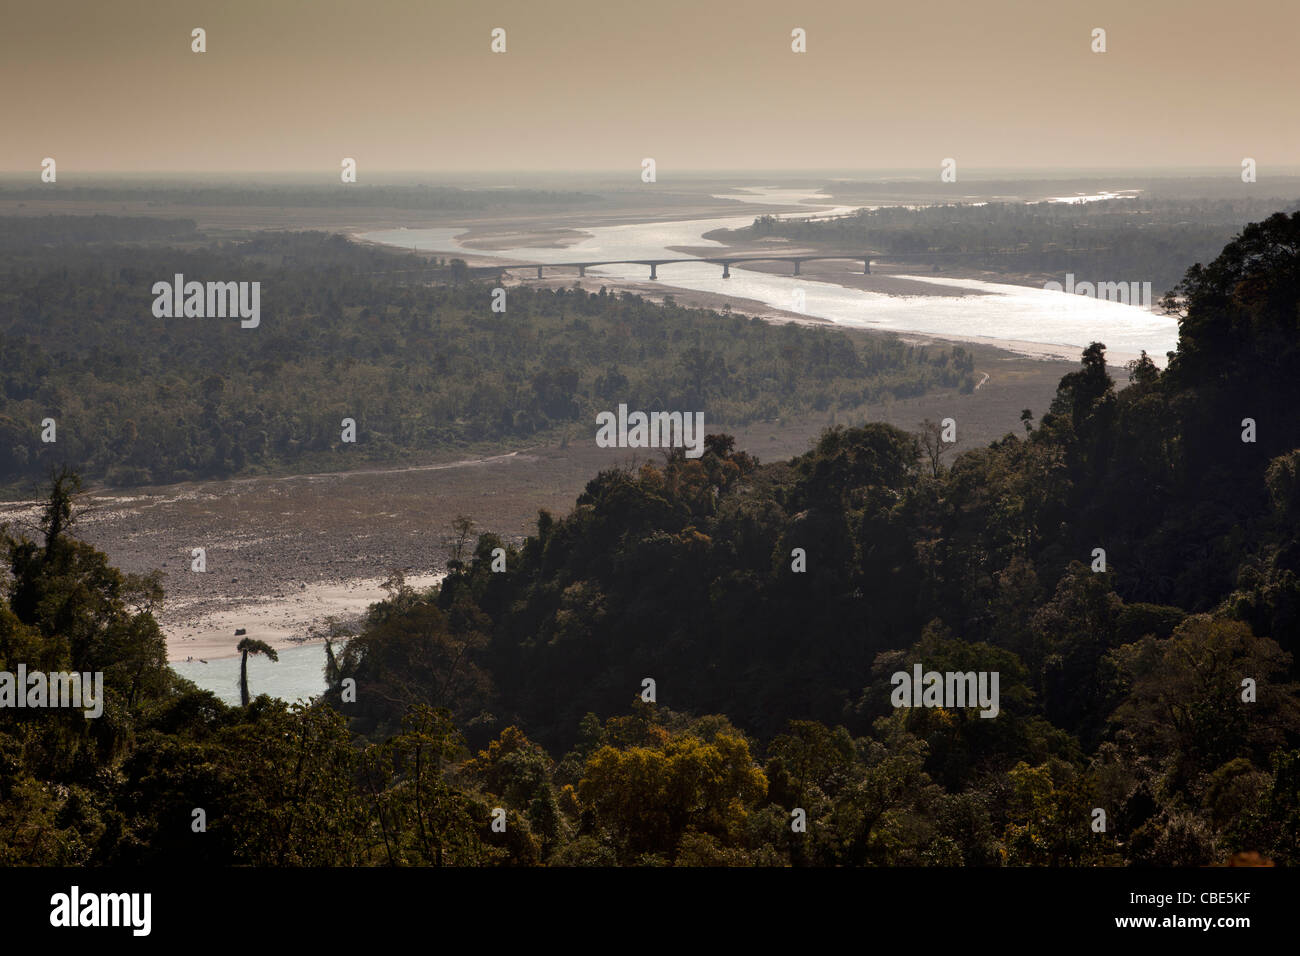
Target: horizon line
[(632, 173)]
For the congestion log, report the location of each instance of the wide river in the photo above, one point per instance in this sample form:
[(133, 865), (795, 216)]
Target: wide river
[(1023, 319), (1026, 320)]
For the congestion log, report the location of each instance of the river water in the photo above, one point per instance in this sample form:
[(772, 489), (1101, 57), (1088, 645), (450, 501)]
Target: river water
[(1026, 320), (298, 674)]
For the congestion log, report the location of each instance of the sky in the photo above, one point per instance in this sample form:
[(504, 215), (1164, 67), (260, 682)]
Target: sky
[(297, 85)]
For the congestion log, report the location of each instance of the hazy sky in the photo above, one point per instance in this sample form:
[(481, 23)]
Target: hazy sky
[(112, 85)]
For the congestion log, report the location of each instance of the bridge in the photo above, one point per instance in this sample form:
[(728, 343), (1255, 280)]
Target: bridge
[(725, 261)]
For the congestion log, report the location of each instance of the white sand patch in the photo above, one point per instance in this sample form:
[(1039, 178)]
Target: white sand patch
[(282, 622)]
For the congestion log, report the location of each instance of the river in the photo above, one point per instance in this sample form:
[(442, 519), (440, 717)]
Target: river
[(1022, 319), (298, 674)]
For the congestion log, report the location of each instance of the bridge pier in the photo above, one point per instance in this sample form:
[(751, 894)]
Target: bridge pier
[(539, 272), (654, 273), (866, 267), (582, 270), (726, 270), (796, 266)]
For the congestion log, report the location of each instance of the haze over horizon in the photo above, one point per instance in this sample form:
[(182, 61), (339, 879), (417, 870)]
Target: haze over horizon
[(584, 87)]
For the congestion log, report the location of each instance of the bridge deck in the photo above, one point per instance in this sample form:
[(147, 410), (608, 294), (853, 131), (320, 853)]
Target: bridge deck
[(725, 261)]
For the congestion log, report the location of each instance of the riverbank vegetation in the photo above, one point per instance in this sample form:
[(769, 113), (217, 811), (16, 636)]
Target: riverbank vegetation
[(1134, 239), (422, 368)]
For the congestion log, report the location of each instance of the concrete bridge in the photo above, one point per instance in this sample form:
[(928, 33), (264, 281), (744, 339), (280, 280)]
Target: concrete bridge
[(725, 261)]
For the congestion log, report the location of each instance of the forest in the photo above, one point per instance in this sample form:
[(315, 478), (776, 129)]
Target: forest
[(517, 694), (423, 369), (417, 196)]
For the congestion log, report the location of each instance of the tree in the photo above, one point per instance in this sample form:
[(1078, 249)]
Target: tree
[(290, 787), (649, 797), (463, 527), (1184, 702), (245, 647), (1142, 371), (1080, 393), (809, 755), (422, 818), (411, 652), (57, 515), (933, 447)]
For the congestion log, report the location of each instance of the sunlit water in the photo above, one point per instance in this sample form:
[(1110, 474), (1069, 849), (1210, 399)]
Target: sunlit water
[(1079, 198), (1027, 320)]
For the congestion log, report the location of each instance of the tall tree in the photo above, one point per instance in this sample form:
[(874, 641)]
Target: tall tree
[(245, 647)]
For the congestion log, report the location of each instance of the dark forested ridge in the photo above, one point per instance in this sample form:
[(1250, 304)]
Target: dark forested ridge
[(26, 240), (280, 196), (138, 399), (1121, 690)]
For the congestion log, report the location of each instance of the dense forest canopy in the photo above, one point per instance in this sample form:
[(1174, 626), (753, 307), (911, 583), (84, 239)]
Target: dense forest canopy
[(138, 399), (522, 689)]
